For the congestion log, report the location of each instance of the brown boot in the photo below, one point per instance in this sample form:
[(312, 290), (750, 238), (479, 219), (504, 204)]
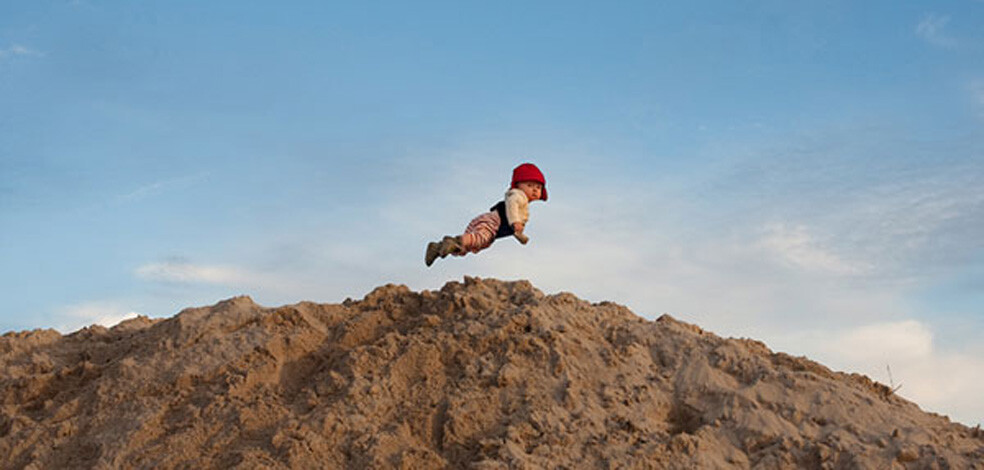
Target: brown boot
[(441, 249), (433, 251)]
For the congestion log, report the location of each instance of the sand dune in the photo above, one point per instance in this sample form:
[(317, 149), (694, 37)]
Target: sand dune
[(482, 374)]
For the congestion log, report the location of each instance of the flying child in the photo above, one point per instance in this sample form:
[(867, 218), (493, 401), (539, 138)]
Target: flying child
[(507, 218)]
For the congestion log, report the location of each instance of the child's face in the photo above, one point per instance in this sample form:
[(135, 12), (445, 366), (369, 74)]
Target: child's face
[(533, 189)]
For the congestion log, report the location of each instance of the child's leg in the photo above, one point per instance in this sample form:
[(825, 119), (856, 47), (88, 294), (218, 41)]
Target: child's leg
[(479, 234), (470, 240)]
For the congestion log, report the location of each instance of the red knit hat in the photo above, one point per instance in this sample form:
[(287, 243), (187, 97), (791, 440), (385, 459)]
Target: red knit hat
[(529, 172)]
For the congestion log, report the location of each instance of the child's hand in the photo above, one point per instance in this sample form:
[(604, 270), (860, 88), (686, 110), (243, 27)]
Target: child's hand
[(518, 232)]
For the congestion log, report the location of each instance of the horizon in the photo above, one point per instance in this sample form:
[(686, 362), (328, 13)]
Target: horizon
[(804, 175)]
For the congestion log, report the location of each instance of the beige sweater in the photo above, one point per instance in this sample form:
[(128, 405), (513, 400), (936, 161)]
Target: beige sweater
[(517, 206)]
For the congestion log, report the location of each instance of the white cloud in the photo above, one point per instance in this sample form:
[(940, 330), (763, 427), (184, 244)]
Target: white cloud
[(797, 247), (184, 278), (105, 313), (892, 207), (182, 272), (158, 187), (890, 341), (932, 28), (18, 50)]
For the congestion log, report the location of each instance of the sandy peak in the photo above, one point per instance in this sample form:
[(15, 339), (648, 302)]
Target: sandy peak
[(480, 373)]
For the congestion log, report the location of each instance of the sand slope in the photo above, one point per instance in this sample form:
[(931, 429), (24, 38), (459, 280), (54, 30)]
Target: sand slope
[(483, 374)]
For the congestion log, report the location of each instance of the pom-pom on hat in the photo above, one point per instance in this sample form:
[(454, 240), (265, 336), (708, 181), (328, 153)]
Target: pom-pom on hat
[(529, 172)]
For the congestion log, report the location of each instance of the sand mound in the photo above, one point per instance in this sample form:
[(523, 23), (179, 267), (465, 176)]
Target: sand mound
[(484, 374)]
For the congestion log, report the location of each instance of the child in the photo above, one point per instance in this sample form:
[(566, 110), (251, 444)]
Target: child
[(506, 218)]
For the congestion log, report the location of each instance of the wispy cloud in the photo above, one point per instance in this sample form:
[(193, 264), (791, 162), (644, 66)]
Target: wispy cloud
[(18, 50), (932, 28), (158, 187), (105, 313), (186, 275), (183, 272), (897, 341), (796, 246)]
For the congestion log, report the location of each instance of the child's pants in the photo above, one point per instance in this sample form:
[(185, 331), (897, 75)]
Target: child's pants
[(480, 233)]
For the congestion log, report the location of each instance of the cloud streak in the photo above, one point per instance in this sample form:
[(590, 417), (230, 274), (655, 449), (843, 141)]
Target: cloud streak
[(796, 246), (188, 273), (932, 28), (105, 313), (18, 50), (187, 276), (158, 187)]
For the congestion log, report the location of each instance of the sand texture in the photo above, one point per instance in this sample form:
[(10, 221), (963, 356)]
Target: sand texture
[(483, 374)]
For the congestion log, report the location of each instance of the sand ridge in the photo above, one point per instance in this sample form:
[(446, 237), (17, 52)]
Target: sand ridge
[(482, 374)]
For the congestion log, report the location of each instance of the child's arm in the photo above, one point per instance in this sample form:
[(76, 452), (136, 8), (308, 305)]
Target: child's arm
[(516, 207), (518, 232)]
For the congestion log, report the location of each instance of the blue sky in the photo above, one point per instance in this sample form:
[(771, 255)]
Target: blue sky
[(807, 174)]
